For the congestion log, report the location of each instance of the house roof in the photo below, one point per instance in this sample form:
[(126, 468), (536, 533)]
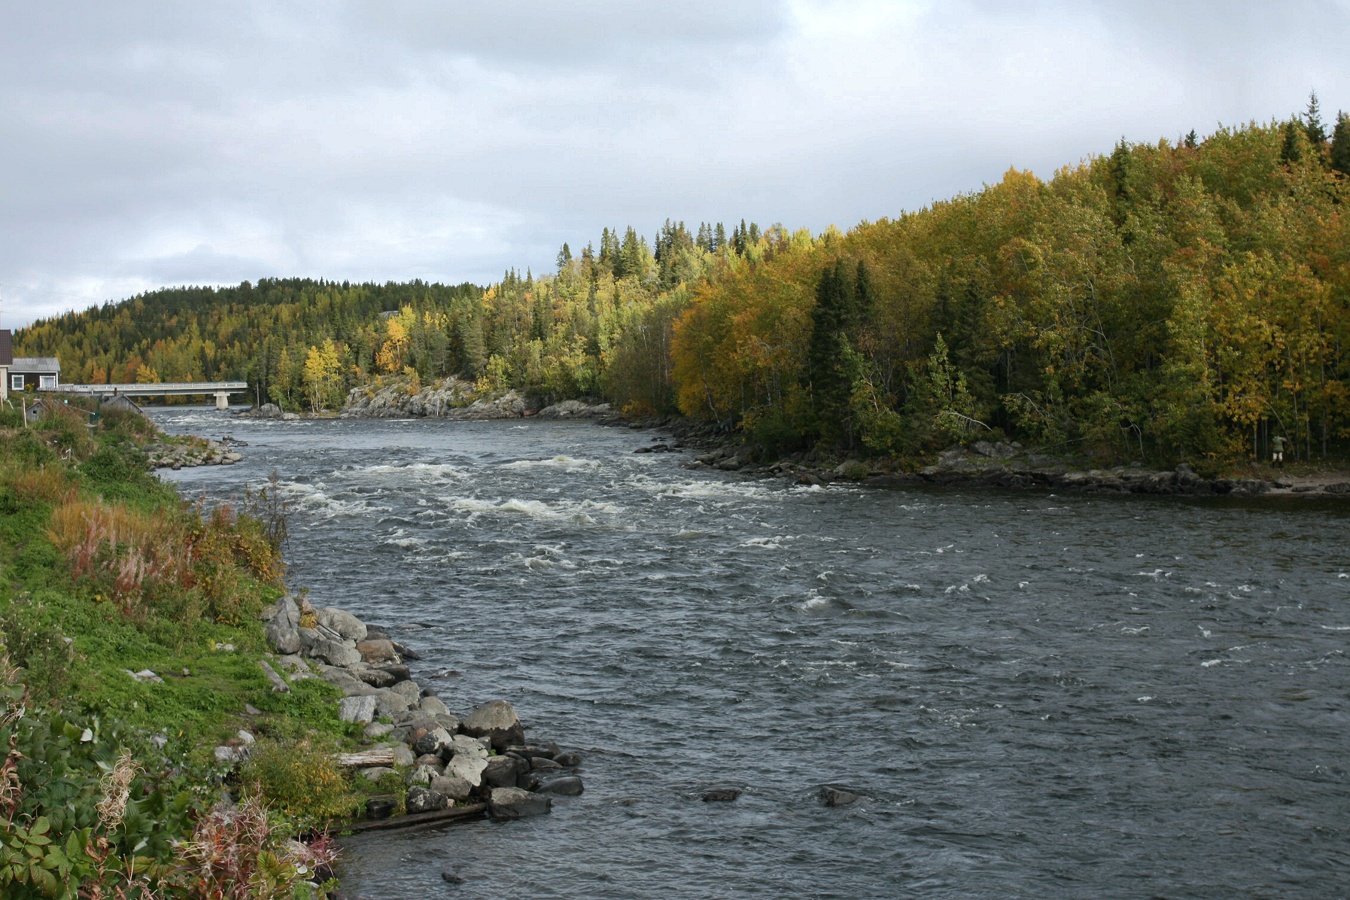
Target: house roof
[(35, 365), (6, 347)]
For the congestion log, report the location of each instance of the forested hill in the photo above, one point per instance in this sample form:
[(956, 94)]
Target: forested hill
[(1164, 301)]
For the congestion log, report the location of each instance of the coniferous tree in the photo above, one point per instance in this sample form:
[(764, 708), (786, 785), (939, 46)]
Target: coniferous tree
[(1291, 149), (1340, 144), (564, 257), (1312, 123)]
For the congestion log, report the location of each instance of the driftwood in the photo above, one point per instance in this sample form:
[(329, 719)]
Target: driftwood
[(366, 759), (279, 685), (416, 820)]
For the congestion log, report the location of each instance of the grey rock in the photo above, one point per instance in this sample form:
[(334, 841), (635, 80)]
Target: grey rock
[(421, 775), (567, 786), (422, 800), (344, 680), (409, 691), (389, 704), (230, 755), (376, 730), (282, 631), (721, 795), (375, 773), (543, 762), (497, 721), (437, 741), (502, 771), (469, 760), (357, 709), (514, 803), (380, 808), (430, 759), (344, 623), (403, 757), (570, 760), (433, 706), (832, 796), (377, 651), (376, 678), (451, 786), (342, 654), (528, 781)]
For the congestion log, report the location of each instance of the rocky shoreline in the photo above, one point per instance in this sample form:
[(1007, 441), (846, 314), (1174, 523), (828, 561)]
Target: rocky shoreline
[(451, 766), (452, 398), (1004, 465)]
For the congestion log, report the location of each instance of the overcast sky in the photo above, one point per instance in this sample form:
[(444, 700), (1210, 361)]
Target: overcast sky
[(147, 144)]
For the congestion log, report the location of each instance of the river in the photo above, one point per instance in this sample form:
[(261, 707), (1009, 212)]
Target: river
[(1035, 694)]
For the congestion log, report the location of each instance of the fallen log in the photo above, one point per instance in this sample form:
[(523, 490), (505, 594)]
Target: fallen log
[(416, 820), (366, 759)]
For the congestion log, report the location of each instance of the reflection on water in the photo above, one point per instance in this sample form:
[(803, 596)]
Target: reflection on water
[(1034, 693)]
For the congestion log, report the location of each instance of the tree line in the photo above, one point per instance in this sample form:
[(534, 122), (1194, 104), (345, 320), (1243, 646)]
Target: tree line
[(1166, 301)]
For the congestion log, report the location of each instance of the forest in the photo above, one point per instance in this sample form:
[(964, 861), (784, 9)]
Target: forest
[(1173, 301)]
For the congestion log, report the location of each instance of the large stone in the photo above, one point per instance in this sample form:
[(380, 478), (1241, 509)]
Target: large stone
[(390, 704), (282, 631), (377, 651), (335, 653), (502, 771), (451, 786), (398, 670), (514, 803), (375, 773), (469, 760), (357, 709), (376, 678), (409, 691), (344, 680), (567, 786), (496, 721), (422, 800), (433, 706), (344, 623), (833, 796), (437, 741), (422, 775)]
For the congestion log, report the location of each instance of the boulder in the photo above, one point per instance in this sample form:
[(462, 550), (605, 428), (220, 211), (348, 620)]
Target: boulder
[(502, 771), (570, 760), (403, 757), (282, 631), (398, 670), (375, 773), (433, 706), (380, 808), (377, 651), (469, 760), (543, 762), (390, 704), (528, 781), (357, 709), (429, 759), (344, 623), (450, 786), (567, 786), (377, 730), (437, 741), (721, 795), (422, 775), (832, 796), (514, 803), (343, 680), (376, 678), (496, 721), (409, 691), (422, 800), (336, 653)]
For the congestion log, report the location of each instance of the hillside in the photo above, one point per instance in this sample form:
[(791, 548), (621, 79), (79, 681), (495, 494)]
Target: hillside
[(1168, 301)]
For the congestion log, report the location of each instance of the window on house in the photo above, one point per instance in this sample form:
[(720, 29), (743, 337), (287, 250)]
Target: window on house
[(47, 382), (16, 382)]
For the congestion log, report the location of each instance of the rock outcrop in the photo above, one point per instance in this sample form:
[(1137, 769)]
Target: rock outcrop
[(444, 760)]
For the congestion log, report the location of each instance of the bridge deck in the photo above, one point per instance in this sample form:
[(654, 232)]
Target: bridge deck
[(176, 389)]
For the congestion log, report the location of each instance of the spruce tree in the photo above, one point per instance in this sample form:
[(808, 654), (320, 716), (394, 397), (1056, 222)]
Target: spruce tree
[(1340, 144), (1291, 150), (1312, 123)]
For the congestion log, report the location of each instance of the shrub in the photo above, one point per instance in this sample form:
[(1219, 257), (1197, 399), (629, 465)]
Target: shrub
[(299, 778)]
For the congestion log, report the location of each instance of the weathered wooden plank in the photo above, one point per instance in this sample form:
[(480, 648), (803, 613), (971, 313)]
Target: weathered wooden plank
[(366, 759), (416, 820)]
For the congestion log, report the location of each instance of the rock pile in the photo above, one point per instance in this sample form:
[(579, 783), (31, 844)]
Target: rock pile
[(444, 760), (191, 453)]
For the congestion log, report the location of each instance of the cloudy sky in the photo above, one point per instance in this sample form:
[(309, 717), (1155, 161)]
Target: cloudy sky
[(147, 144)]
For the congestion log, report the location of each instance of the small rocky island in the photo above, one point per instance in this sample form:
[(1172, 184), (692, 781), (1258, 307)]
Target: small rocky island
[(453, 767)]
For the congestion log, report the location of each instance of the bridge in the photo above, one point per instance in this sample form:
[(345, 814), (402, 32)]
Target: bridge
[(221, 390)]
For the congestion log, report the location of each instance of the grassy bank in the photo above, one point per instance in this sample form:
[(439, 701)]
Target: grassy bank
[(129, 648)]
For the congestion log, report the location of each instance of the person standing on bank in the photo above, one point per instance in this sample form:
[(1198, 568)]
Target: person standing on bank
[(1277, 450)]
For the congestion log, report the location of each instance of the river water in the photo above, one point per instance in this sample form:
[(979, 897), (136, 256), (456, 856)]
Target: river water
[(1035, 694)]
